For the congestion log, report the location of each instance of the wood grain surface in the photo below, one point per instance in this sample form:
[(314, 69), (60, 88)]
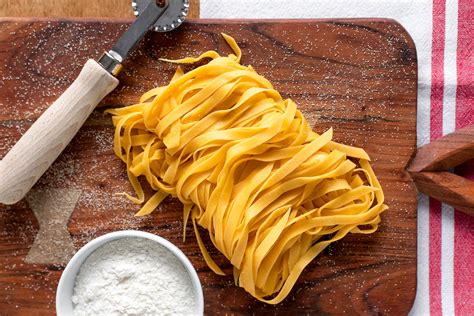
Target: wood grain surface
[(358, 76), (76, 8)]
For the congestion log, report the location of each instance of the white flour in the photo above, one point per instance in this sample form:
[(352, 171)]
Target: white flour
[(133, 276)]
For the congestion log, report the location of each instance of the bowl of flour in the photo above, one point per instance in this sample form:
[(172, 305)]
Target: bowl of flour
[(129, 273)]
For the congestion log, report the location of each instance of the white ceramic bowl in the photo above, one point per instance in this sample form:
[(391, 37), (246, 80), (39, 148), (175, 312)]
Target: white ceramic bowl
[(64, 306)]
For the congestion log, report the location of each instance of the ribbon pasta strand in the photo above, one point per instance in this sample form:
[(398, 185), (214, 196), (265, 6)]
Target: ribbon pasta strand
[(271, 192)]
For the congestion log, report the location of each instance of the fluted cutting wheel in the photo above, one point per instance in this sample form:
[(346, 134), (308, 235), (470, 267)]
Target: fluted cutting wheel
[(174, 15)]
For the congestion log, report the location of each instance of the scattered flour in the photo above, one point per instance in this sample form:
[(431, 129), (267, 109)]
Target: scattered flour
[(133, 276)]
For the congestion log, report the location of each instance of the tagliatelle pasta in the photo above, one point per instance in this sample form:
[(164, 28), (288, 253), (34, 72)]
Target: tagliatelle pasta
[(248, 168)]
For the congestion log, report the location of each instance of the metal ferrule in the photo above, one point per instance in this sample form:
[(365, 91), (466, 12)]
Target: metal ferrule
[(111, 63)]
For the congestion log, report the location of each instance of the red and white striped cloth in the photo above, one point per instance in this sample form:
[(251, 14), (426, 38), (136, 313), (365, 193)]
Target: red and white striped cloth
[(443, 31)]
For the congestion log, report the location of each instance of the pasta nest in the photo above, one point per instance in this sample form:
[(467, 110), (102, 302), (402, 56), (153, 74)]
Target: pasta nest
[(247, 167)]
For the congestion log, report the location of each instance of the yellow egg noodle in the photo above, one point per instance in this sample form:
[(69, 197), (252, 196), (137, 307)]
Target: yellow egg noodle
[(248, 168)]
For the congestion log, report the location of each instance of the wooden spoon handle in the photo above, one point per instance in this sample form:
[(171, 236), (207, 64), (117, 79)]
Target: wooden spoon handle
[(39, 147), (446, 152), (447, 188), (429, 169)]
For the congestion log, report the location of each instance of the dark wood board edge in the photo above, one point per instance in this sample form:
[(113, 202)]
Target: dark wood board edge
[(204, 21), (220, 21)]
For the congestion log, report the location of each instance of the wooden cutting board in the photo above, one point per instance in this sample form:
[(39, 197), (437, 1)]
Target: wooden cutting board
[(357, 76)]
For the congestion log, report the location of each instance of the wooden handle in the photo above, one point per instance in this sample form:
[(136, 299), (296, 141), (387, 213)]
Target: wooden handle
[(51, 133), (448, 188), (429, 169), (446, 152)]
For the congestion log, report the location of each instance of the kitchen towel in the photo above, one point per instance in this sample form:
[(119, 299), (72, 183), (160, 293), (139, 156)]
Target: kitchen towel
[(443, 31)]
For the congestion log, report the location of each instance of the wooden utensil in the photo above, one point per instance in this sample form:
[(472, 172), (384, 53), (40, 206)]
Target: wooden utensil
[(430, 169), (39, 147)]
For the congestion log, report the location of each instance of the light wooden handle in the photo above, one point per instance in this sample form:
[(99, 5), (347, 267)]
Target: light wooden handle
[(51, 133)]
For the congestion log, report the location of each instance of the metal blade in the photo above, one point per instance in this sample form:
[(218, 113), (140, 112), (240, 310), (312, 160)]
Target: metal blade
[(171, 19)]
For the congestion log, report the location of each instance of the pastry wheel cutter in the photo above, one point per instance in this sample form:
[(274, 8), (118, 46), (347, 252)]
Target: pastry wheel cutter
[(39, 147)]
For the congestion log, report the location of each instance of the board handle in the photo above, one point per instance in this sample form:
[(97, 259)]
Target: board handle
[(39, 147), (429, 169)]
